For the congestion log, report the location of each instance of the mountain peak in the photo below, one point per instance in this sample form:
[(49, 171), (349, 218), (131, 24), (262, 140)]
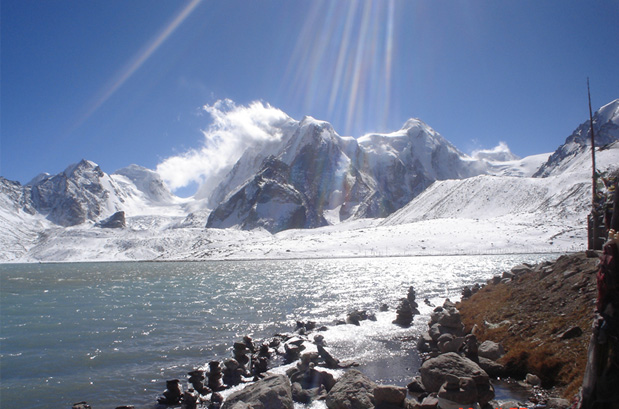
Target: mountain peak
[(80, 166)]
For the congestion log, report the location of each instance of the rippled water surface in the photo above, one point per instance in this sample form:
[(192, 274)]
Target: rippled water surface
[(112, 333)]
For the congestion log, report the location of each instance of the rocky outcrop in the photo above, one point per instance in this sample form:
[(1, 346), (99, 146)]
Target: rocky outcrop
[(269, 201), (115, 221), (353, 390), (273, 392), (454, 374)]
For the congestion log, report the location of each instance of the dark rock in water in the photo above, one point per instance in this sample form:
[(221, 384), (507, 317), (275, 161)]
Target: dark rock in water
[(352, 390), (249, 343), (405, 313), (383, 308), (173, 393), (259, 366), (190, 399), (240, 352), (330, 361), (196, 378), (125, 407), (214, 377), (410, 296), (466, 293), (216, 401), (354, 317), (293, 352), (232, 373), (115, 221), (81, 405), (274, 392), (264, 351)]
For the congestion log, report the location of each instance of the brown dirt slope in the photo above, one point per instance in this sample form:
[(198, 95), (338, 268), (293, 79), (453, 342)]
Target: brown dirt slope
[(530, 314)]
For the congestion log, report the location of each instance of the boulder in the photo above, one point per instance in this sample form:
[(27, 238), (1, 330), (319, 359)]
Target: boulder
[(434, 373), (461, 390), (416, 386), (389, 394), (572, 332), (449, 343), (115, 221), (273, 392), (492, 368), (353, 390), (173, 393), (405, 313), (533, 380), (81, 405), (491, 350)]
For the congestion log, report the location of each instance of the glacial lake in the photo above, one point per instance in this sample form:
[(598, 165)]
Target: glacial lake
[(111, 334)]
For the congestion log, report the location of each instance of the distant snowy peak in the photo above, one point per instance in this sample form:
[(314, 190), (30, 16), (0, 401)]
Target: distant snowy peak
[(83, 192), (606, 131), (148, 182)]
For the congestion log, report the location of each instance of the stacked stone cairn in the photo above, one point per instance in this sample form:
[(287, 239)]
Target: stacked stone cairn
[(456, 372), (172, 394), (214, 377), (407, 309)]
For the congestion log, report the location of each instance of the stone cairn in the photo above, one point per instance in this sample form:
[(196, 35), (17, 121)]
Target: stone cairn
[(407, 309), (173, 393)]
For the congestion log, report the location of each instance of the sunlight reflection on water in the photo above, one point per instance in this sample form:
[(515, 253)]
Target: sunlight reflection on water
[(102, 332)]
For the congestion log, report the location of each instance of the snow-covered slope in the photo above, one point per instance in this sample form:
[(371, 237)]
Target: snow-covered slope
[(310, 176)]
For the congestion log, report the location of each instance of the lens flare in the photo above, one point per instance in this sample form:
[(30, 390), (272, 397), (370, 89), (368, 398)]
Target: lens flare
[(341, 67), (136, 62)]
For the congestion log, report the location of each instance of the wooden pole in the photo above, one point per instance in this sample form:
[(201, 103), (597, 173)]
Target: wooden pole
[(593, 177)]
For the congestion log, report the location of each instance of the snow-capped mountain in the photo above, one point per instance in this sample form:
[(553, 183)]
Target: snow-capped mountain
[(328, 178), (606, 131), (82, 192), (436, 199)]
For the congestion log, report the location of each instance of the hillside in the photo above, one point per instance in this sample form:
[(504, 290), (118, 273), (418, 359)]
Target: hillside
[(531, 316)]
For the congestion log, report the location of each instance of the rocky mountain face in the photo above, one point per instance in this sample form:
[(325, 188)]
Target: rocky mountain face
[(345, 178), (606, 131), (309, 176), (83, 193)]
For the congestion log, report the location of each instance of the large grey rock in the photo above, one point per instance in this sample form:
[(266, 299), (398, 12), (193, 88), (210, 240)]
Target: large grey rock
[(115, 221), (353, 390), (274, 392), (434, 373), (491, 350), (389, 394), (461, 390)]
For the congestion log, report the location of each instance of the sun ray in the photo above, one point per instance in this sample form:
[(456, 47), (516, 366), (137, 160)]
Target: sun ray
[(136, 62)]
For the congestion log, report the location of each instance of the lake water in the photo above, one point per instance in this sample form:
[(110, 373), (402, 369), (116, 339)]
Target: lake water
[(112, 333)]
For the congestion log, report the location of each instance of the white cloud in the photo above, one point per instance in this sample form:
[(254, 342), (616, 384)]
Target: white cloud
[(233, 130), (501, 152)]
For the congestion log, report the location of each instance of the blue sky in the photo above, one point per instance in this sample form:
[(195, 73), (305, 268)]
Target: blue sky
[(121, 82)]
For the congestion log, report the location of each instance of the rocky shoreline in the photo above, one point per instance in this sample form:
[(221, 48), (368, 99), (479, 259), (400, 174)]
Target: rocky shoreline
[(494, 332)]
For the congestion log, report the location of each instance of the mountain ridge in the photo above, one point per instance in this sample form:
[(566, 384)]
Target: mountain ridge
[(309, 178)]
